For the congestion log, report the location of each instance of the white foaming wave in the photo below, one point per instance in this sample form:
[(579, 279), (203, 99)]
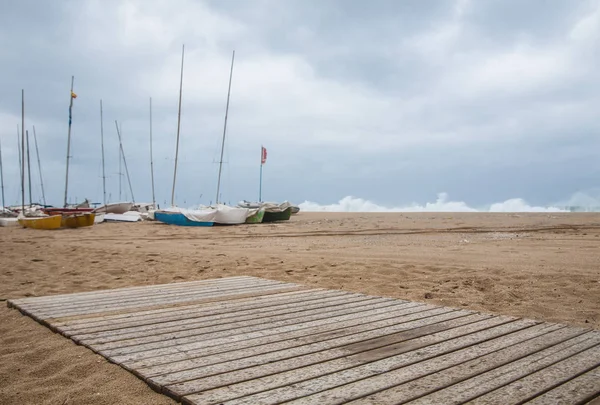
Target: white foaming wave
[(441, 204)]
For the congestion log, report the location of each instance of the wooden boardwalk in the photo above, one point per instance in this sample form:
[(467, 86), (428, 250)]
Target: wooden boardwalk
[(245, 340)]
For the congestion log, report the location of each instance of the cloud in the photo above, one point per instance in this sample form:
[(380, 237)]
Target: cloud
[(393, 101)]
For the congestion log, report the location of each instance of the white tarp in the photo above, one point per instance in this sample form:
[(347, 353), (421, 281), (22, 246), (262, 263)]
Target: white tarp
[(274, 207), (122, 217), (201, 215), (231, 215)]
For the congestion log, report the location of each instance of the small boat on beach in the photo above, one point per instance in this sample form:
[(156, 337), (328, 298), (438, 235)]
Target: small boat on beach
[(255, 216), (184, 217), (46, 223), (78, 220), (115, 208)]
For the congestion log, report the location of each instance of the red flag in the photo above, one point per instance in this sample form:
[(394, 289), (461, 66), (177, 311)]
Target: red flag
[(263, 155)]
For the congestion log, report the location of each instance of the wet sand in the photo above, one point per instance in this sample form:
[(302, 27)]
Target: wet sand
[(541, 266)]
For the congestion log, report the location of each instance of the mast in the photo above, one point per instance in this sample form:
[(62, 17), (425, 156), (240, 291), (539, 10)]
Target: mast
[(224, 129), (102, 146), (260, 178), (28, 168), (120, 169), (37, 152), (124, 161), (23, 151), (2, 178), (19, 148), (71, 97), (178, 127), (151, 161)]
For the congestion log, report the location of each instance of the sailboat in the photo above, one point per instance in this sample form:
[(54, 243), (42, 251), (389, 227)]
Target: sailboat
[(272, 212), (175, 215), (72, 215), (27, 219)]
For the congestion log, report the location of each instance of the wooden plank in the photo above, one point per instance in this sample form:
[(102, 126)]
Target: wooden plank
[(168, 300), (157, 293), (483, 383), (579, 390), (153, 343), (247, 340), (102, 321), (417, 350), (389, 319), (546, 379), (372, 376), (286, 332), (190, 369), (119, 291), (137, 317), (84, 307), (174, 329), (196, 318), (441, 379), (453, 328)]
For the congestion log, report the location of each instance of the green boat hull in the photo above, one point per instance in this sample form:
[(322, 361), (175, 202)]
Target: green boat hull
[(256, 218), (278, 216)]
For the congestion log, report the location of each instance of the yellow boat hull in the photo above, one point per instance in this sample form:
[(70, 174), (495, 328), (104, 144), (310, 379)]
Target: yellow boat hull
[(78, 220), (47, 223)]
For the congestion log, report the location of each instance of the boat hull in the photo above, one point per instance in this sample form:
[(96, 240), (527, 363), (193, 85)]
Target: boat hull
[(63, 211), (278, 216), (78, 221), (115, 208), (45, 223), (177, 218), (256, 218)]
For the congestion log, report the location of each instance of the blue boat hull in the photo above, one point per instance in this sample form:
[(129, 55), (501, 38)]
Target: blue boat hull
[(176, 218)]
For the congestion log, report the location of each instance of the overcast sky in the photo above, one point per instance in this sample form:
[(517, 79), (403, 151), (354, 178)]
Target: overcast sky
[(391, 101)]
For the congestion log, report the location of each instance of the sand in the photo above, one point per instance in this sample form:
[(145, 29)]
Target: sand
[(541, 266)]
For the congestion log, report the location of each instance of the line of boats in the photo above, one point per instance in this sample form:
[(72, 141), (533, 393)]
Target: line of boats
[(48, 218), (82, 215)]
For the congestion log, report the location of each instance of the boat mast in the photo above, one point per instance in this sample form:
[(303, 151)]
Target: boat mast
[(19, 148), (2, 177), (260, 178), (37, 152), (69, 141), (28, 168), (102, 147), (120, 171), (151, 161), (178, 127), (124, 161), (22, 151), (224, 128)]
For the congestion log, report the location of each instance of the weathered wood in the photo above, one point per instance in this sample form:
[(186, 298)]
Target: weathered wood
[(161, 298), (394, 316), (227, 308), (375, 372), (285, 332), (463, 371), (117, 306), (579, 390), (454, 328), (171, 323), (120, 291), (152, 343), (130, 296), (546, 379), (102, 322), (306, 354), (247, 340), (483, 383)]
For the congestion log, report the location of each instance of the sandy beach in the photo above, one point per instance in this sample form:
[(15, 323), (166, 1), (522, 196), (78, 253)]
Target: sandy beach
[(543, 266)]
